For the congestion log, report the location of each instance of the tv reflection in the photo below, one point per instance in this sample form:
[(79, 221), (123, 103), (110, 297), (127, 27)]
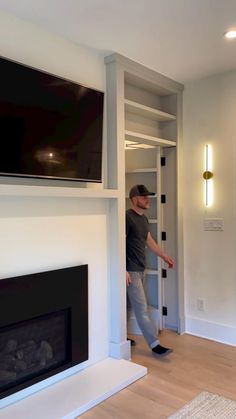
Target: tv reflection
[(57, 163), (49, 156)]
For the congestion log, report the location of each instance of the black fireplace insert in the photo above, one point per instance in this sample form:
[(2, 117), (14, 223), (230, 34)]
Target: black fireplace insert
[(43, 326)]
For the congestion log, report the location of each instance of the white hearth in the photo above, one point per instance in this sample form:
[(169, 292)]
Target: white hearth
[(76, 394)]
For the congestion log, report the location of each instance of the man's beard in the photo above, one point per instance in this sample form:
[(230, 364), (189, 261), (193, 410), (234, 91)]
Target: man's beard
[(143, 206)]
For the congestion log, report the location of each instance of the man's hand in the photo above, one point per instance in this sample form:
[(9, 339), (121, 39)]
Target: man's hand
[(168, 260), (128, 279)]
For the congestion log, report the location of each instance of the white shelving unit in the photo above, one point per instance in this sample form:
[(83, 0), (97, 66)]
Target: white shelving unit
[(145, 110), (150, 126)]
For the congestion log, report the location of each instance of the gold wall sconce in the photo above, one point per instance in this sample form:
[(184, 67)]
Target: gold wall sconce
[(207, 176)]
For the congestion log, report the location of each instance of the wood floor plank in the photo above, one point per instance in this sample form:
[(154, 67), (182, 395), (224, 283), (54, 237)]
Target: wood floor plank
[(196, 365)]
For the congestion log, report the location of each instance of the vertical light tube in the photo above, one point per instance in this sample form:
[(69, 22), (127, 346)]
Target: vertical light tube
[(207, 175)]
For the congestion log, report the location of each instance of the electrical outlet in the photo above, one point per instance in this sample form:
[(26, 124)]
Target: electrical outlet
[(201, 304)]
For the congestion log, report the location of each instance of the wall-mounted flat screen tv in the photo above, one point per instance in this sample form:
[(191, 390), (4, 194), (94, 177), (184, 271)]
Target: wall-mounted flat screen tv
[(49, 127)]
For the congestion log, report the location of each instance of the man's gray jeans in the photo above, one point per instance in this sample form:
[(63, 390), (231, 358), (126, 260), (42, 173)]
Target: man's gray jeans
[(137, 300)]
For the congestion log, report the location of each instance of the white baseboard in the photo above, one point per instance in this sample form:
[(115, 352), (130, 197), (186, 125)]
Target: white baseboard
[(182, 325), (78, 393), (210, 330)]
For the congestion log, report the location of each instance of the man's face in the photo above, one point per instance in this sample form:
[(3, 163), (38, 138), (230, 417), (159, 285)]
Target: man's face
[(142, 202)]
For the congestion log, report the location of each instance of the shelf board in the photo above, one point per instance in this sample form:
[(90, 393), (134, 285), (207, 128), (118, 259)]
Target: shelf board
[(152, 307), (55, 192), (147, 112), (151, 271), (150, 196), (140, 170), (133, 137)]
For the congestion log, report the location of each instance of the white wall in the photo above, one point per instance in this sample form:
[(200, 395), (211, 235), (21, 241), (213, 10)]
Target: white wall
[(44, 233), (32, 45), (210, 257)]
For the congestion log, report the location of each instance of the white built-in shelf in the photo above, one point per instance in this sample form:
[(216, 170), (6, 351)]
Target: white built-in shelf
[(152, 307), (150, 196), (55, 192), (151, 272), (136, 137), (142, 170), (147, 112), (152, 221)]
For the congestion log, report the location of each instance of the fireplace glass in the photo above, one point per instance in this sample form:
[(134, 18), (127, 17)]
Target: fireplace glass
[(33, 347)]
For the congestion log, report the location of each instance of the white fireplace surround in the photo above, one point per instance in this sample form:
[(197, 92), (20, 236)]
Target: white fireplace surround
[(45, 228), (104, 373)]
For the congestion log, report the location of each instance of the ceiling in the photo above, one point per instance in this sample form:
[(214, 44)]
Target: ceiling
[(182, 39)]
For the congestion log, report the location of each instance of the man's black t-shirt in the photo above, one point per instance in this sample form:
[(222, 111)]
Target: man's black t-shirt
[(137, 229)]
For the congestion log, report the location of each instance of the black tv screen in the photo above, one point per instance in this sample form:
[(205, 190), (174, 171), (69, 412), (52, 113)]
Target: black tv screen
[(49, 127)]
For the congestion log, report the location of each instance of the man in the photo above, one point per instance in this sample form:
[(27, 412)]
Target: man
[(138, 237)]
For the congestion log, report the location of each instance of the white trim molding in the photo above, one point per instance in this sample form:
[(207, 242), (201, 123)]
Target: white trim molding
[(210, 330), (120, 350)]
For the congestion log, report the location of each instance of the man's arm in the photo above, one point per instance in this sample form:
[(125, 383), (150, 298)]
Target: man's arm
[(155, 248)]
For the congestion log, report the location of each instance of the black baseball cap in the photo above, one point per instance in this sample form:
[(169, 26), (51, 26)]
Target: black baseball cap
[(139, 190)]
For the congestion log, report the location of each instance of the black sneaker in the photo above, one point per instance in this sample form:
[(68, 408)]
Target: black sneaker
[(160, 351), (132, 342)]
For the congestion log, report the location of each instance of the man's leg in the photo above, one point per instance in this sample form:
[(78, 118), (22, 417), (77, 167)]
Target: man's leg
[(138, 302)]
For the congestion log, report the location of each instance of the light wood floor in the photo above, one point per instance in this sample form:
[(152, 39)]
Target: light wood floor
[(196, 365)]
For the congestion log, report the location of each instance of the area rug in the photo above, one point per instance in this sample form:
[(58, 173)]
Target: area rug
[(207, 406)]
